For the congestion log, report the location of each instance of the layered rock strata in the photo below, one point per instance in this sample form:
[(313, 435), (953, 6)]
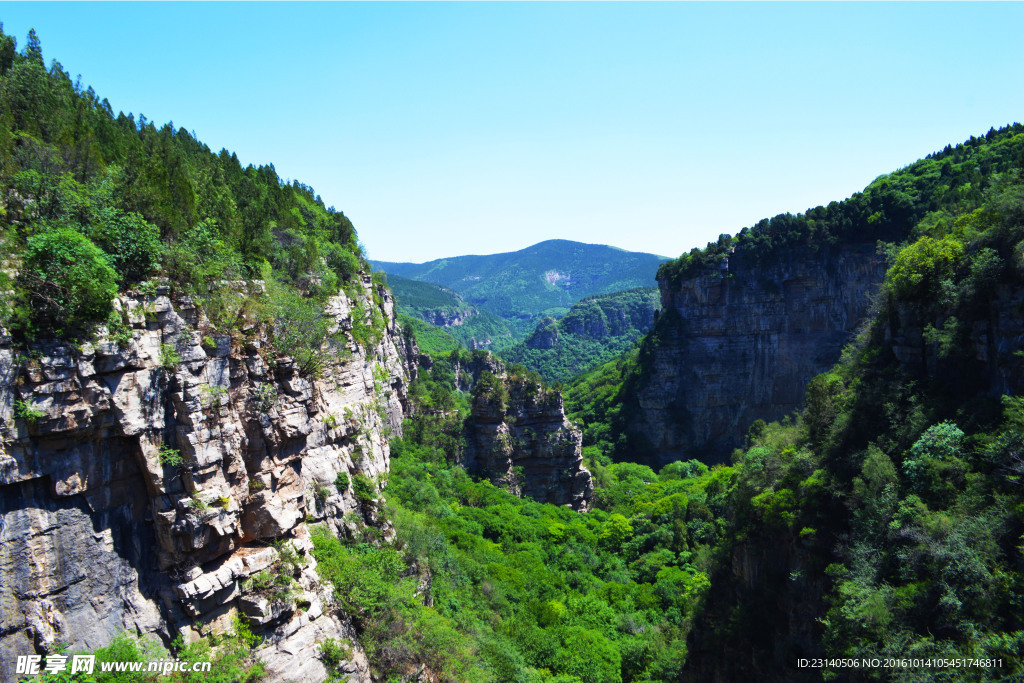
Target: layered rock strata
[(740, 344), (144, 483), (522, 440)]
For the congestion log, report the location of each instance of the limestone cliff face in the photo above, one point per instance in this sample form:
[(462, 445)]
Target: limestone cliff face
[(101, 533), (741, 343), (523, 441), (443, 317)]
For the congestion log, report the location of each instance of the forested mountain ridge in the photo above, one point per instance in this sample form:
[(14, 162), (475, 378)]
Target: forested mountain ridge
[(201, 431), (594, 331), (932, 189), (445, 308), (884, 519), (544, 279), (749, 320), (196, 369)]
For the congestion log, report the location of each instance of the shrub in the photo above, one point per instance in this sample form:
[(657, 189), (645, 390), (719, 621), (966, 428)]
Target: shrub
[(27, 411), (301, 329), (333, 654), (170, 456), (132, 243), (341, 482), (169, 357), (67, 281), (265, 398), (321, 493), (364, 488)]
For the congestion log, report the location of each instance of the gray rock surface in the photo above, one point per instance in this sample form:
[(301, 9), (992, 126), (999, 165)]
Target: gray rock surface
[(101, 534), (740, 344), (526, 444)]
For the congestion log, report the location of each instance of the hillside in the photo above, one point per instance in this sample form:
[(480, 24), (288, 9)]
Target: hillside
[(595, 330), (545, 279), (196, 371), (218, 445), (750, 319), (444, 308), (883, 519)]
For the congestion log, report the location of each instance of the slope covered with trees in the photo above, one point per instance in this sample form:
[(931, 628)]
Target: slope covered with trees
[(885, 519), (545, 279), (441, 307), (927, 192), (94, 201), (595, 330)]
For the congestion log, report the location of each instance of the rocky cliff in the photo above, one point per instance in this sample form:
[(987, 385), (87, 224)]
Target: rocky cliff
[(143, 484), (518, 435), (740, 342)]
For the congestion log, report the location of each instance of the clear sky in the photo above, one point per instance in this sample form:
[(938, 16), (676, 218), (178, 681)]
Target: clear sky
[(453, 128)]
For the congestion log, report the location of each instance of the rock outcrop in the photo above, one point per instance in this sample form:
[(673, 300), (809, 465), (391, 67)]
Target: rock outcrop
[(741, 342), (443, 317), (518, 436), (143, 484), (545, 336)]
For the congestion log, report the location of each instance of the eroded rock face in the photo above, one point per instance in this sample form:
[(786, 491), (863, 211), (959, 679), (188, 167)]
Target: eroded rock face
[(527, 444), (441, 317), (740, 344), (141, 485)]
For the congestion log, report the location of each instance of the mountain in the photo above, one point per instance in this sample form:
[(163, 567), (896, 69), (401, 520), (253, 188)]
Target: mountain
[(595, 330), (444, 308), (203, 394), (545, 279), (881, 513), (197, 372)]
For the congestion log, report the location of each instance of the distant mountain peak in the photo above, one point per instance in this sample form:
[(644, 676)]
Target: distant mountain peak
[(543, 279)]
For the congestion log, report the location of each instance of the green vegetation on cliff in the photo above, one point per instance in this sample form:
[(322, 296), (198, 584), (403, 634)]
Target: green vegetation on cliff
[(515, 590), (886, 519), (926, 192), (595, 330), (91, 202)]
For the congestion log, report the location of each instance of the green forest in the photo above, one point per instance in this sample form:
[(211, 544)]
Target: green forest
[(884, 519), (594, 331), (98, 202), (545, 279)]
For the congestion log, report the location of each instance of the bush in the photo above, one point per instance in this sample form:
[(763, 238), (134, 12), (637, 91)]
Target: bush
[(170, 456), (333, 654), (364, 488), (169, 357), (301, 329), (132, 244), (27, 411), (67, 281)]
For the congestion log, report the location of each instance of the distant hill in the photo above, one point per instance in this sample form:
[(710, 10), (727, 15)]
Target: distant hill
[(546, 279), (443, 308), (594, 331)]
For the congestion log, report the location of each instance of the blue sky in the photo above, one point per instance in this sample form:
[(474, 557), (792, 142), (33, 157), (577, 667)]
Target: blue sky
[(453, 128)]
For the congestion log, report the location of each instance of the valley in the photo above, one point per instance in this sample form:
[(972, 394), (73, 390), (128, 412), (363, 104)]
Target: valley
[(227, 436)]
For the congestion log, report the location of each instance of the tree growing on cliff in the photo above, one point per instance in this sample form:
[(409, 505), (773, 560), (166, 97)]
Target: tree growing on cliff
[(67, 281)]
